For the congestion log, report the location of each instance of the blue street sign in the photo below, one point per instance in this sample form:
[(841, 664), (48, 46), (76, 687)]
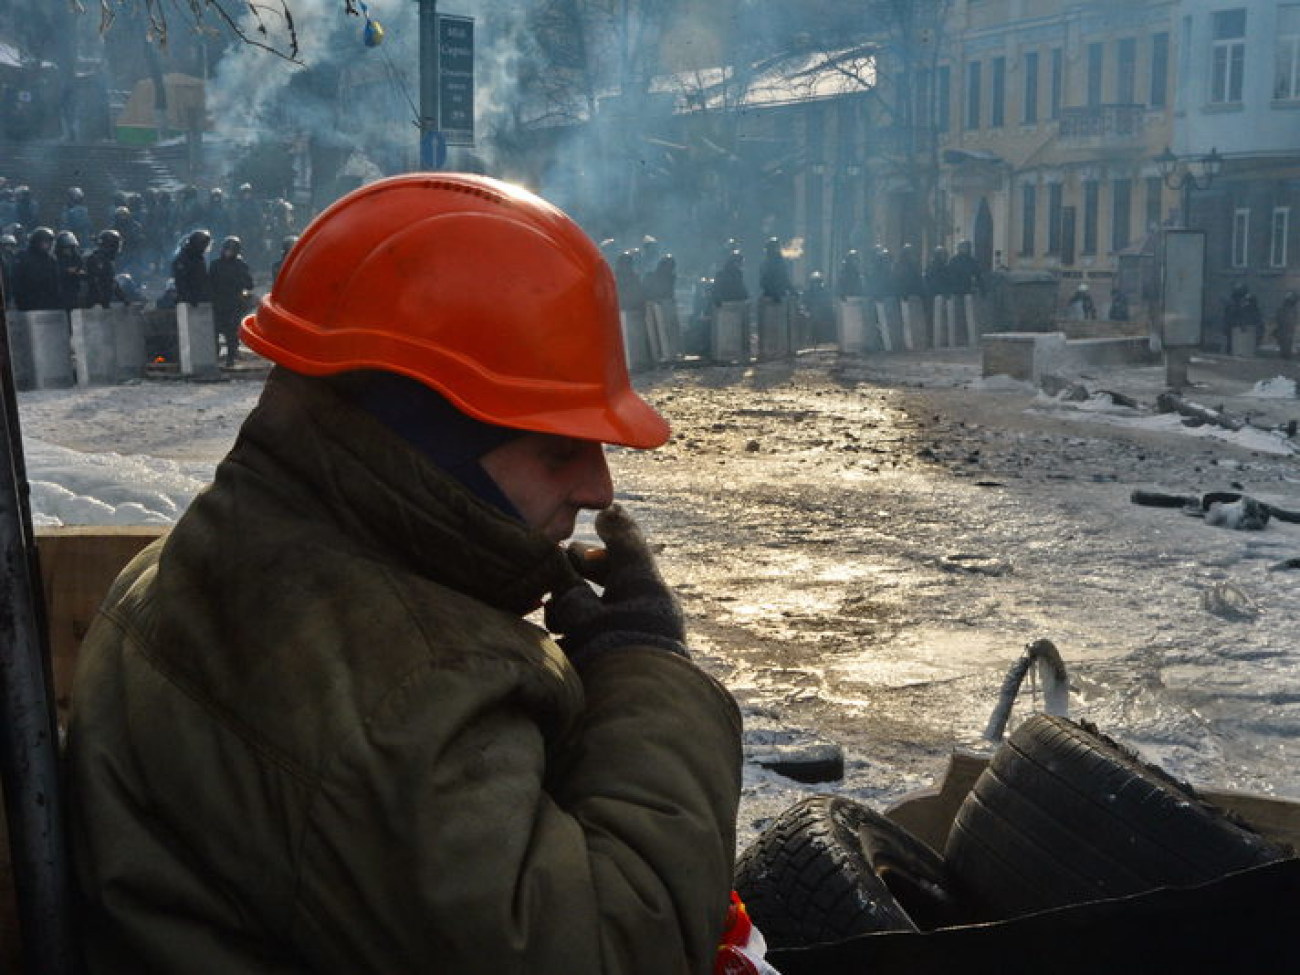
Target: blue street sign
[(433, 149)]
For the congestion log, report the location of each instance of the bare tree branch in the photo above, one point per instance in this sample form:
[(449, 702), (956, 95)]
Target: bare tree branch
[(269, 20)]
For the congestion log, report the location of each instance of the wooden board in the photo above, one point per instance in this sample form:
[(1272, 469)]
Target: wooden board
[(77, 566)]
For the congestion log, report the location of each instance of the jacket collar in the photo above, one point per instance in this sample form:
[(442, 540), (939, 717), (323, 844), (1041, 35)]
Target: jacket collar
[(385, 495)]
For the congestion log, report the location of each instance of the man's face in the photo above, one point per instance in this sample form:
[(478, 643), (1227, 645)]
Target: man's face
[(550, 479)]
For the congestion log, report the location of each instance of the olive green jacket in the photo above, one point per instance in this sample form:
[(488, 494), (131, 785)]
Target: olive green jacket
[(312, 733)]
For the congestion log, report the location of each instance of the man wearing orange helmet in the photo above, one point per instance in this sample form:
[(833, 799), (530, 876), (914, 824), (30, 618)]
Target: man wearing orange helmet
[(312, 729)]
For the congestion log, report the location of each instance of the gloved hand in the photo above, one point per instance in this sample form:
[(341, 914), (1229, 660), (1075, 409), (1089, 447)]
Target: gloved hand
[(636, 609)]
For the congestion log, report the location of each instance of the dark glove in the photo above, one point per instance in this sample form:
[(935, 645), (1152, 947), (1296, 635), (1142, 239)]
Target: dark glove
[(636, 609)]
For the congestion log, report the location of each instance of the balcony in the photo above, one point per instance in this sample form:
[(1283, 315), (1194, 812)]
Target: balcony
[(1100, 125), (902, 140)]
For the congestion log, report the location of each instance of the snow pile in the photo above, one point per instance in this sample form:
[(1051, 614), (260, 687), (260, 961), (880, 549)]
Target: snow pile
[(1102, 408), (74, 488), (1279, 387)]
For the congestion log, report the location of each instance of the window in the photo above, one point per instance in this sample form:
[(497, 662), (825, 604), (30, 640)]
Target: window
[(1159, 70), (997, 112), (1030, 108), (1058, 79), (1028, 218), (943, 97), (1089, 217), (924, 105), (1054, 218), (1155, 192), (1278, 231), (1096, 58), (1067, 235), (1286, 86), (1228, 56), (1121, 215), (1126, 71), (1240, 237), (973, 79)]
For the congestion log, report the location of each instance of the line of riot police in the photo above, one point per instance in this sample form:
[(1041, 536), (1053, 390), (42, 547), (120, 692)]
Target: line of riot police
[(150, 226)]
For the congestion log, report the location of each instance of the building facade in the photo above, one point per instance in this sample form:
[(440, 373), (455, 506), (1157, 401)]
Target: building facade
[(1239, 61), (1049, 132), (1051, 116)]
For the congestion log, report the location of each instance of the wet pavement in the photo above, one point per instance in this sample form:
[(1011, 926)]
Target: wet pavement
[(864, 547)]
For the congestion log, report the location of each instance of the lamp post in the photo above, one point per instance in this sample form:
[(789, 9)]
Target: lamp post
[(1182, 278), (1178, 175)]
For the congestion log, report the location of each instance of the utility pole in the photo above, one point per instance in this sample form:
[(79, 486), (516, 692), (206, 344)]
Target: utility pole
[(1183, 264), (430, 123)]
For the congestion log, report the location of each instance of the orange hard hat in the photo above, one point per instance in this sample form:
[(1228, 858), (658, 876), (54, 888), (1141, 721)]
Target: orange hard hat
[(474, 287)]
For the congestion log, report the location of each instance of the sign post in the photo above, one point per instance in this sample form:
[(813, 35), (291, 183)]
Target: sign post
[(1182, 301), (428, 80)]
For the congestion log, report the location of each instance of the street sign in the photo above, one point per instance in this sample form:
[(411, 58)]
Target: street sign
[(456, 79), (433, 149)]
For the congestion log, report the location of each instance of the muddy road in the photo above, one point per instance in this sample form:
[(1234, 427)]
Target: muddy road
[(864, 550)]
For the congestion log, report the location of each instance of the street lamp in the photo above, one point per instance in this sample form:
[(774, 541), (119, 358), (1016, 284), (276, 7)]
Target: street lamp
[(1178, 175), (1182, 309)]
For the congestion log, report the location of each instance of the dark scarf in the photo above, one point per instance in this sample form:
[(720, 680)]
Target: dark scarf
[(453, 440)]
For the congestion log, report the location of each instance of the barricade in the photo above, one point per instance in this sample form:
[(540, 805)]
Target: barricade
[(773, 328), (941, 322), (636, 339), (48, 342), (665, 330), (851, 325), (107, 345), (970, 314), (20, 349), (889, 323), (915, 328), (730, 332), (198, 341), (129, 343), (882, 326)]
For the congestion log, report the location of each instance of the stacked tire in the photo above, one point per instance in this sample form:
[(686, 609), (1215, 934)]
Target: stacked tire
[(1062, 815)]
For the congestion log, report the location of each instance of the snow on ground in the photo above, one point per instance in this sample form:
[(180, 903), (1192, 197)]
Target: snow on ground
[(1101, 408), (70, 487)]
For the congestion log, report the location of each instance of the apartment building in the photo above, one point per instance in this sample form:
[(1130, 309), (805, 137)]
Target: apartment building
[(1239, 64), (1050, 132), (1054, 118)]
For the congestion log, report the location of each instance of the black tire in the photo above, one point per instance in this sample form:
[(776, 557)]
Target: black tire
[(830, 868), (1064, 815)]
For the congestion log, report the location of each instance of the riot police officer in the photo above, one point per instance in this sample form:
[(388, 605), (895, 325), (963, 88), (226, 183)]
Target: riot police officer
[(101, 270), (231, 285), (72, 269), (190, 269), (36, 274)]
